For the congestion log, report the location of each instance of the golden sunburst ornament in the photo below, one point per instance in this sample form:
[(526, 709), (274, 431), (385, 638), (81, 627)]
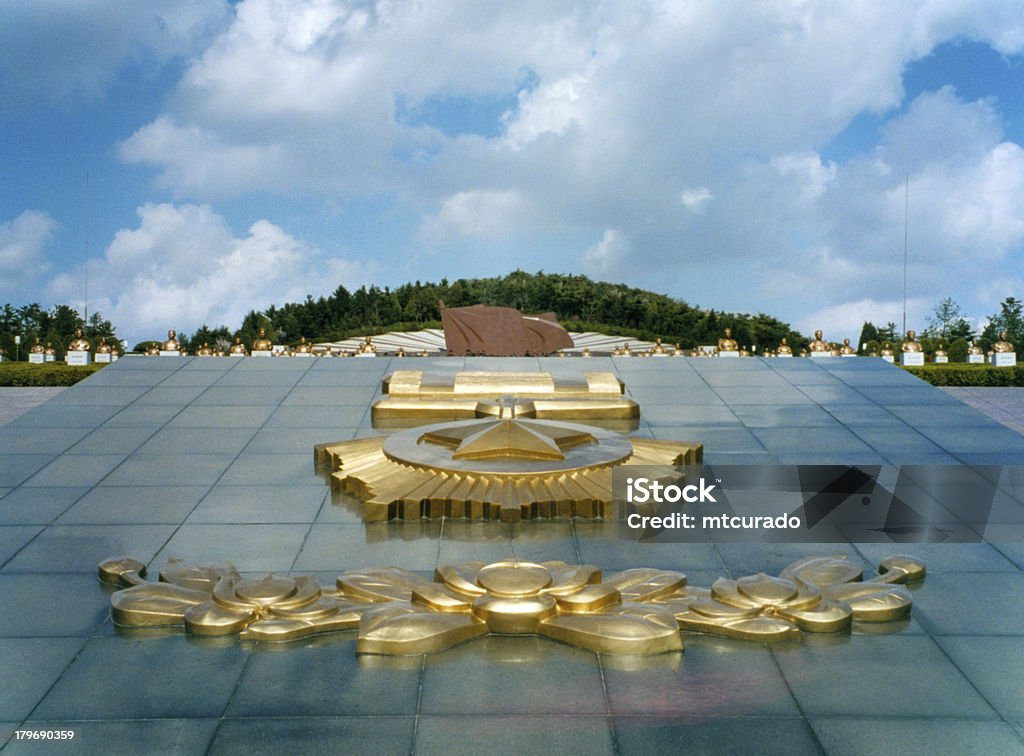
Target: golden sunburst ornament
[(506, 468)]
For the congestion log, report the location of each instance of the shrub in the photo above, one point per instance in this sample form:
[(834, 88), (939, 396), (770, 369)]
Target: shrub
[(958, 350), (954, 374), (50, 374)]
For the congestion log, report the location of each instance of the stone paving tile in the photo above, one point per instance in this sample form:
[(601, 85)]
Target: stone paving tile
[(229, 450)]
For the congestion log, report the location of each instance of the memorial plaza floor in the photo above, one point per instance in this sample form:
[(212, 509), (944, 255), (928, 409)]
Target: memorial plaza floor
[(211, 459)]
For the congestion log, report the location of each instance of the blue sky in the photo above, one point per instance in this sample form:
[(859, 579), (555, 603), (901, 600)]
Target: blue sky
[(741, 156)]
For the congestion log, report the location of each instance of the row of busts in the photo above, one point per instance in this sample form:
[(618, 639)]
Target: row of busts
[(263, 346), (79, 350), (658, 350)]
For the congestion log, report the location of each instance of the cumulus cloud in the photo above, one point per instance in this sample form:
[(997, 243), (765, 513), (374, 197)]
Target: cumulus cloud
[(842, 321), (607, 256), (23, 243), (182, 267), (692, 139)]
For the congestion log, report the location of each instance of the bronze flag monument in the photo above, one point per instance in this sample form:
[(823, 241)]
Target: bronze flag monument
[(501, 332)]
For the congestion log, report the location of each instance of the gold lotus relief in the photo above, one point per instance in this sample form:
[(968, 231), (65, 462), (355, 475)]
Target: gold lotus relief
[(508, 468), (397, 612)]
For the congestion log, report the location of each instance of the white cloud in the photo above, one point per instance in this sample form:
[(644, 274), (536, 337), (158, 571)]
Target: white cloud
[(845, 320), (59, 52), (607, 256), (182, 267), (696, 199), (614, 115), (483, 214), (23, 243)]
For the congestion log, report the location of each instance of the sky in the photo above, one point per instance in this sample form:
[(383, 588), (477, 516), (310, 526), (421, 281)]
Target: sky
[(181, 163)]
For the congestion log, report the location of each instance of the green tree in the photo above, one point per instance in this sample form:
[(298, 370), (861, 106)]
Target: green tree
[(1010, 319)]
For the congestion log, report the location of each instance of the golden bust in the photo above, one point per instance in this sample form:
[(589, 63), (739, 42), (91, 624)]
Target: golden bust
[(172, 344), (37, 348), (304, 347), (784, 348), (79, 343), (1002, 345), (659, 348), (400, 352), (261, 343), (677, 351), (727, 343), (367, 347), (846, 348), (586, 352), (204, 351), (50, 351), (819, 345), (941, 351), (974, 348), (238, 347), (910, 344), (153, 350), (104, 347), (887, 349)]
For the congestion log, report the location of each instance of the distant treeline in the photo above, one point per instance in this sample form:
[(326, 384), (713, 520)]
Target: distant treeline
[(578, 302)]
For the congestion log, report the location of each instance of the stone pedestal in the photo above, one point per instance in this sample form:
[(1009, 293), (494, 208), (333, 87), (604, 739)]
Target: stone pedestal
[(1004, 359), (975, 359), (889, 358), (941, 359), (262, 353), (367, 354), (50, 358), (36, 359), (104, 357), (784, 355), (821, 355), (170, 353), (847, 355), (302, 354), (912, 359), (79, 358), (729, 354)]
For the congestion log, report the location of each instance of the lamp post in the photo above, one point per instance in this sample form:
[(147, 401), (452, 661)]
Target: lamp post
[(17, 348)]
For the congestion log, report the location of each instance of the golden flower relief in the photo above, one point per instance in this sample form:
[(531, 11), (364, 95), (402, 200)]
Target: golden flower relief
[(398, 612)]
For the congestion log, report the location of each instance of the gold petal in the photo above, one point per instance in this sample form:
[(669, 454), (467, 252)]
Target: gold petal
[(400, 629), (154, 604), (827, 617), (593, 598), (122, 571), (645, 584), (764, 629), (822, 571), (624, 633), (380, 585), (570, 578), (900, 569), (214, 619), (461, 578), (436, 597), (766, 590), (873, 602), (201, 577)]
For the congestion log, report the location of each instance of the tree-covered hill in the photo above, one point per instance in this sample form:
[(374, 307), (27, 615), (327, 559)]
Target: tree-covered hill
[(579, 303)]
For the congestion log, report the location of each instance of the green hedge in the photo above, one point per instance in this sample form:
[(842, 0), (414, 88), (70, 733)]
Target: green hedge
[(50, 374), (962, 374)]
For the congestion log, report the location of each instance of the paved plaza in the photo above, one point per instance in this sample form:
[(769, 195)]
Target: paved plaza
[(211, 459)]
